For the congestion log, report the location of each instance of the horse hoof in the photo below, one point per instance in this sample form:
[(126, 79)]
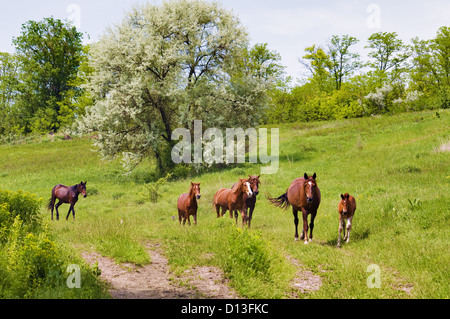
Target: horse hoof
[(296, 239), (306, 242)]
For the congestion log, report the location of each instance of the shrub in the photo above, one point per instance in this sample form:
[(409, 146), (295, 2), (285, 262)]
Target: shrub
[(151, 189), (256, 270), (31, 264), (24, 205)]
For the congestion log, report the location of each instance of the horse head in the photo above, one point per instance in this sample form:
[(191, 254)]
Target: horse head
[(196, 189), (81, 188), (344, 203), (310, 185), (254, 183), (246, 188)]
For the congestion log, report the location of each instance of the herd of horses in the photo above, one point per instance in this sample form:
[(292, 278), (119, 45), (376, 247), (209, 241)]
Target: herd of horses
[(303, 195)]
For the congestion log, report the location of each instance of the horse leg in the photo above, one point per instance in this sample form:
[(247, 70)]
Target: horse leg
[(341, 227), (349, 228), (180, 216), (57, 212), (295, 212), (244, 217), (311, 226), (195, 218), (224, 210), (52, 207), (250, 215), (70, 209), (305, 226), (218, 211)]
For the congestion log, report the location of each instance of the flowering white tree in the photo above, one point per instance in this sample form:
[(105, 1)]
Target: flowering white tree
[(162, 68)]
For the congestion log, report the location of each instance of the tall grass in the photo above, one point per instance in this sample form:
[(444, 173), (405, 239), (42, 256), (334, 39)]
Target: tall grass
[(388, 163)]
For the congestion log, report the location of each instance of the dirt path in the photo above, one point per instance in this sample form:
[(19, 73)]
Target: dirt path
[(155, 281)]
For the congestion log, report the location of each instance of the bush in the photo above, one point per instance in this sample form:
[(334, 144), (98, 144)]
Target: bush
[(24, 205), (250, 262), (31, 264)]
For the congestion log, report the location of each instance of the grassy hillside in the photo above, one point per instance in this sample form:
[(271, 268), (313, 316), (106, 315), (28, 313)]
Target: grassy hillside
[(391, 165)]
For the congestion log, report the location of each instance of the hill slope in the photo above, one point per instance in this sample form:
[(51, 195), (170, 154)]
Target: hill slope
[(392, 165)]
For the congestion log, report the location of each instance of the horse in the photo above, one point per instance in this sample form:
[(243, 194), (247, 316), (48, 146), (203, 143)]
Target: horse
[(187, 204), (250, 202), (303, 195), (66, 195), (346, 208), (233, 199)]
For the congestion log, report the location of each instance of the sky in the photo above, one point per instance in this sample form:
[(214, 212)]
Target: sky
[(287, 26)]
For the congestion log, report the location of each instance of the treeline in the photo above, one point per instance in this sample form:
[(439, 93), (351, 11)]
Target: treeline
[(41, 84), (399, 77)]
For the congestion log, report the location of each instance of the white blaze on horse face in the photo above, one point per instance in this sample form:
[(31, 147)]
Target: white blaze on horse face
[(249, 190)]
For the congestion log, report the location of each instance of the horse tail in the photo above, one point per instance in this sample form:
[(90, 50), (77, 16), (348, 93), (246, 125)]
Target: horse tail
[(282, 201), (50, 203)]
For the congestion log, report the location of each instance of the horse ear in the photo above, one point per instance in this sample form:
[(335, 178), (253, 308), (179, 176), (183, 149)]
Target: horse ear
[(306, 176), (85, 182), (342, 196), (314, 176)]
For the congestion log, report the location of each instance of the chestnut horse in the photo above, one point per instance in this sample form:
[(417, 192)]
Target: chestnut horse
[(187, 204), (250, 202), (303, 195), (66, 195), (347, 208), (233, 199)]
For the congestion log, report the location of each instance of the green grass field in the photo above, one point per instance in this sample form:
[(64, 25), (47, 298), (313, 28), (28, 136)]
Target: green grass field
[(390, 164)]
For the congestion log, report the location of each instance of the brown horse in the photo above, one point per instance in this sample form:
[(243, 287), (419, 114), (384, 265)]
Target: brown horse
[(347, 208), (66, 195), (187, 204), (303, 195), (233, 199), (250, 202)]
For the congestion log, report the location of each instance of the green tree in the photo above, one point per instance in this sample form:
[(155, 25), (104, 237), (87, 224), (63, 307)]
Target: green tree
[(162, 68), (264, 64), (431, 72), (319, 64), (389, 55), (50, 53), (9, 81), (343, 61)]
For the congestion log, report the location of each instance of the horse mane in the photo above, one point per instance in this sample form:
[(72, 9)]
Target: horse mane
[(237, 186)]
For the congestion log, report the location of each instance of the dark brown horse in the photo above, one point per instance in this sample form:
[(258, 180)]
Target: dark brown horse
[(187, 204), (347, 208), (250, 202), (303, 195), (233, 199), (66, 195)]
